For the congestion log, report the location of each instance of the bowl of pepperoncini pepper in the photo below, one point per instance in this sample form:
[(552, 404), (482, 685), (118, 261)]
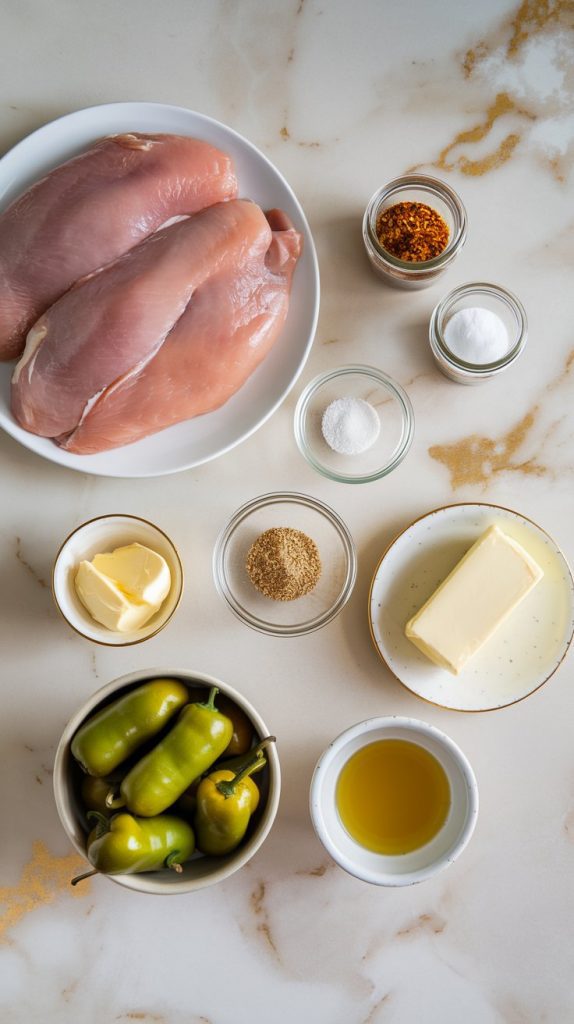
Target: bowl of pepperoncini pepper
[(166, 781)]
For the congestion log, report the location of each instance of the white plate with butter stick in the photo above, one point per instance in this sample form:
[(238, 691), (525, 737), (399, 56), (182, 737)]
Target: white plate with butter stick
[(526, 648)]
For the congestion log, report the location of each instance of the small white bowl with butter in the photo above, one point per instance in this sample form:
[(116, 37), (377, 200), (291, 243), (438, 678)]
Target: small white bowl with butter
[(117, 580)]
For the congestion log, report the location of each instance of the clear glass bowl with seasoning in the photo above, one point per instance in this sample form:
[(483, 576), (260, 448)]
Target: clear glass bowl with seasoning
[(471, 296), (443, 200), (336, 552), (387, 398)]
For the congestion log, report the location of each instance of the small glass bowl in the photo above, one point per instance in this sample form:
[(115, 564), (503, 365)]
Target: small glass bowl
[(414, 188), (385, 395), (493, 298), (336, 550)]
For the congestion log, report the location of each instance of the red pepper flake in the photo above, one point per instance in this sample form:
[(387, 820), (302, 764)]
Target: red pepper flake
[(413, 232)]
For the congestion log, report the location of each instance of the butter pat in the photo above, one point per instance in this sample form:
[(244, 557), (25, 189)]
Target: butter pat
[(484, 588), (124, 588), (138, 570)]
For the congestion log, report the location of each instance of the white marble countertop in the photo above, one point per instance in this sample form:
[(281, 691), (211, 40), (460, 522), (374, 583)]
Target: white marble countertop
[(342, 97)]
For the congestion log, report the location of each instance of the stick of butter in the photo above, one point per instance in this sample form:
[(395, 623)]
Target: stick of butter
[(476, 597), (122, 589)]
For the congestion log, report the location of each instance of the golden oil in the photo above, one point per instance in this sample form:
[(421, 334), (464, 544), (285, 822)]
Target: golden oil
[(393, 796)]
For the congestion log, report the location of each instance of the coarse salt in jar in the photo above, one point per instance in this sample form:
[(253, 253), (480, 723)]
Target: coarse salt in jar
[(447, 214)]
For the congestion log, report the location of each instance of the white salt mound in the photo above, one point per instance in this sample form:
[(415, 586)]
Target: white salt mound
[(476, 335), (350, 425)]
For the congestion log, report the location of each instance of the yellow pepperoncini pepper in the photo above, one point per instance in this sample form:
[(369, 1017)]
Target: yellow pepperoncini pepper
[(226, 800)]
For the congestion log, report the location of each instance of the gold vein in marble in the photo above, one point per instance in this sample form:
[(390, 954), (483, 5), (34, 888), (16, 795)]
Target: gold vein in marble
[(568, 365), (370, 1019), (530, 19), (534, 15), (418, 377), (424, 922), (43, 878), (558, 170), (141, 1015), (472, 57), (502, 106), (29, 568), (313, 872), (476, 459), (260, 911), (68, 992)]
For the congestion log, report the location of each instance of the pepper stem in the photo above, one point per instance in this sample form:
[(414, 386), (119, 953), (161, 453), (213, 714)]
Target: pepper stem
[(227, 789), (170, 861), (102, 825), (210, 702), (80, 878), (114, 799), (255, 751)]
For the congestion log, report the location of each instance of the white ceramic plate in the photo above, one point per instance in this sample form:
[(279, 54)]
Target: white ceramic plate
[(526, 649), (205, 437)]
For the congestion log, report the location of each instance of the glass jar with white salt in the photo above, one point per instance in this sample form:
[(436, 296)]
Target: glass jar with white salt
[(477, 332)]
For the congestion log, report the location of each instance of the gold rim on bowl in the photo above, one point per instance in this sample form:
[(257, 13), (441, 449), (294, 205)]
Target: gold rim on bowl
[(126, 643)]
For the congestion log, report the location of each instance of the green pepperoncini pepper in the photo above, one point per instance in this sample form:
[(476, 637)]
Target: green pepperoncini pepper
[(94, 790), (197, 739), (115, 732), (242, 736), (225, 802), (125, 844), (187, 802)]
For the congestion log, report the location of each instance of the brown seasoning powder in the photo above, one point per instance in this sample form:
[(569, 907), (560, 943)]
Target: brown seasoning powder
[(413, 232), (283, 563)]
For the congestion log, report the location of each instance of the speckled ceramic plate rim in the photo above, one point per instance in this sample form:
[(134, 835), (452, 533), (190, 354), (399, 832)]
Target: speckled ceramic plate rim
[(399, 536)]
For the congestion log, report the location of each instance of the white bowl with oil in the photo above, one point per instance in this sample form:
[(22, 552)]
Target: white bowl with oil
[(425, 861)]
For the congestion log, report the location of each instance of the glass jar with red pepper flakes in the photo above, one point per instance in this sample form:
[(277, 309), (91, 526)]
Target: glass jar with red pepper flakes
[(413, 229)]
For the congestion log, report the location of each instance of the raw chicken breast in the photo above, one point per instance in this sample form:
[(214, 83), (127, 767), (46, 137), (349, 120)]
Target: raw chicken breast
[(228, 328), (93, 209), (114, 322)]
